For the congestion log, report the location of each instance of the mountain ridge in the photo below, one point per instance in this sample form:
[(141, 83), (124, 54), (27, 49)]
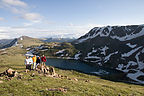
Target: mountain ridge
[(117, 47)]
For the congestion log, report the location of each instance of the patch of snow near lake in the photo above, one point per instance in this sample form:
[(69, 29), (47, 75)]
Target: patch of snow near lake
[(108, 57), (76, 57), (134, 76), (29, 53), (131, 52), (28, 49), (44, 50), (124, 68), (101, 72), (140, 63), (93, 57), (131, 46), (88, 55), (104, 50), (60, 51)]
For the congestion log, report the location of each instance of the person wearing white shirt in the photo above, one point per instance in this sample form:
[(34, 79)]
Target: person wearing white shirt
[(28, 63)]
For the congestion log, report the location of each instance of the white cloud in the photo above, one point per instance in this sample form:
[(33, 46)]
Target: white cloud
[(35, 17), (15, 3), (21, 8)]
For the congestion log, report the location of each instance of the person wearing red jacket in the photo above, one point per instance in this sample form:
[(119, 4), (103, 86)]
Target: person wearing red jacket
[(43, 59)]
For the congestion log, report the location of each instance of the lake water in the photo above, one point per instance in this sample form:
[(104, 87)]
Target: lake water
[(79, 66)]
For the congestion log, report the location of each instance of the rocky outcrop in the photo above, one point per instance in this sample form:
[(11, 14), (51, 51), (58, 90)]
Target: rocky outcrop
[(9, 72), (117, 47), (46, 70)]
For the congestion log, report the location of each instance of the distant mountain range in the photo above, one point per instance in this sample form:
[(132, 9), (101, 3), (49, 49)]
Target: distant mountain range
[(58, 39), (117, 47)]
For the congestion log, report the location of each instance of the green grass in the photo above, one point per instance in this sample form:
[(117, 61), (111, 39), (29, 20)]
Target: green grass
[(38, 85)]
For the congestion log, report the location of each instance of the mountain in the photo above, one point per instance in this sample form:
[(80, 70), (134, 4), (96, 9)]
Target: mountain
[(26, 41), (58, 39), (117, 47), (5, 43)]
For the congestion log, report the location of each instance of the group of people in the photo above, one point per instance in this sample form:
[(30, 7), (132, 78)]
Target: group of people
[(35, 61)]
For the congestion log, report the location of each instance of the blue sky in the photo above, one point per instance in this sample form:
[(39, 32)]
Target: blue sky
[(65, 18)]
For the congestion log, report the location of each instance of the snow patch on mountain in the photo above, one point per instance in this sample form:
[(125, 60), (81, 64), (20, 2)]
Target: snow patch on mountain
[(76, 57), (107, 58), (130, 36), (140, 63), (124, 68), (101, 72), (131, 46), (60, 51), (102, 32), (104, 50), (131, 52), (134, 76)]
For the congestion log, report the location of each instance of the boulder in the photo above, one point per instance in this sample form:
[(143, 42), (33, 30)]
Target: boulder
[(52, 71), (10, 72), (45, 69)]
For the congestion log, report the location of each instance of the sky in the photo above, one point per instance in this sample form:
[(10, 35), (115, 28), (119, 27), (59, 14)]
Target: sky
[(65, 18)]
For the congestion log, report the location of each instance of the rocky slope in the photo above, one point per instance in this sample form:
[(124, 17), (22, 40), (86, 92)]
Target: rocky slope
[(118, 47)]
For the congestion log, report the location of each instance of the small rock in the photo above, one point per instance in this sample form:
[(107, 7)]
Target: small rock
[(62, 90), (52, 71), (86, 80), (33, 74), (75, 79), (27, 71), (1, 82), (59, 75), (66, 77)]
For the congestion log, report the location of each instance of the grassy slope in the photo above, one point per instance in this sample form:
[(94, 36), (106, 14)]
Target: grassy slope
[(38, 85)]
